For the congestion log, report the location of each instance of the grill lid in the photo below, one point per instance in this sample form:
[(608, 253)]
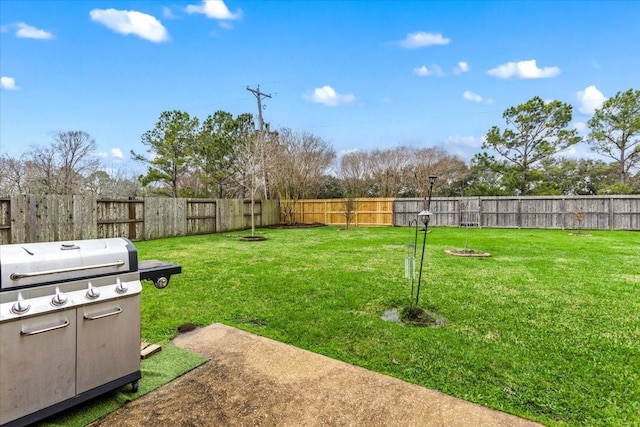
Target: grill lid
[(33, 264)]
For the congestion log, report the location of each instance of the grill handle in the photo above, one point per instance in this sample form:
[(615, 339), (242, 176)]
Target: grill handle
[(16, 276), (52, 328), (118, 310)]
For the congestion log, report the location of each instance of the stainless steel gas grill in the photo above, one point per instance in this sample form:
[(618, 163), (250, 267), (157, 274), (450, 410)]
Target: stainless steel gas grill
[(69, 324)]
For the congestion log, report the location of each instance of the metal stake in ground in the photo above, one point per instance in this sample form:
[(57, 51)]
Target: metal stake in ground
[(410, 259), (425, 216)]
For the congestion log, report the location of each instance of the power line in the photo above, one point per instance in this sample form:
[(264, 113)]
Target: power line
[(260, 96)]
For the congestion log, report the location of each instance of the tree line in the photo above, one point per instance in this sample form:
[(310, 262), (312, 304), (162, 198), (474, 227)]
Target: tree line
[(224, 156)]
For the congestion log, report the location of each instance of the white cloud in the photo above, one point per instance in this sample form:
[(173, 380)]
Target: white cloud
[(8, 83), (462, 67), (385, 100), (589, 100), (474, 97), (327, 95), (131, 22), (423, 71), (581, 127), (465, 141), (215, 9), (421, 39), (168, 13), (28, 32), (117, 153), (523, 70), (463, 146)]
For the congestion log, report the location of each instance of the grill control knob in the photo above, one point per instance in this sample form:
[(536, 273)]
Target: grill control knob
[(20, 306), (92, 293), (59, 299), (121, 288)]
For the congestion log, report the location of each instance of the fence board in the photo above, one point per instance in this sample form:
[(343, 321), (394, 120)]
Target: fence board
[(366, 212), (201, 216), (270, 212), (165, 217), (5, 221), (625, 213), (231, 215), (120, 218), (30, 218), (619, 212)]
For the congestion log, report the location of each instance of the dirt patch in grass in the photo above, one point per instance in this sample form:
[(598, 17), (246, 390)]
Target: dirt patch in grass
[(466, 253), (418, 316), (299, 225), (253, 238)]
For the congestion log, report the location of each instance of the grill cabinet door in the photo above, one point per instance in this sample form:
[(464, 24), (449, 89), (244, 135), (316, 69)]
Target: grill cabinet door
[(37, 363), (108, 341)]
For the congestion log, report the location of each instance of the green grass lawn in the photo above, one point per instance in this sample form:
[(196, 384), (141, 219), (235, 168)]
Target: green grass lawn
[(547, 328)]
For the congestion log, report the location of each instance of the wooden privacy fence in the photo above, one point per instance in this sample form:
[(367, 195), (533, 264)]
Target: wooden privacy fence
[(29, 218), (617, 212), (366, 211)]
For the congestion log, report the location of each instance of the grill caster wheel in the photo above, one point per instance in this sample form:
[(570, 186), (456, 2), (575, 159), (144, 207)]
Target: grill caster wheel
[(161, 282), (134, 387)]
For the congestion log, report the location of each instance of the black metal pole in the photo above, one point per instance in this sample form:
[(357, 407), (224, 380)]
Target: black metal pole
[(415, 244), (432, 180), (424, 243)]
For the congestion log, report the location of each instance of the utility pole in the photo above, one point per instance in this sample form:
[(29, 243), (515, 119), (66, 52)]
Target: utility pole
[(259, 96)]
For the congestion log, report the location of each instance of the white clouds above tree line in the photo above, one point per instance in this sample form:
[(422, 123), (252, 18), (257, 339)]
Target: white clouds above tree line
[(523, 70), (8, 83), (461, 68), (422, 39), (214, 9), (474, 97), (328, 96), (131, 22), (434, 70), (28, 32), (589, 100), (148, 27)]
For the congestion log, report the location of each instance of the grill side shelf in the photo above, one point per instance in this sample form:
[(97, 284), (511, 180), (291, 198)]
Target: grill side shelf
[(158, 272)]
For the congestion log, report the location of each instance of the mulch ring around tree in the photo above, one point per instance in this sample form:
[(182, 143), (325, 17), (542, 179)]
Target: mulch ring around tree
[(466, 253), (253, 238), (299, 225)]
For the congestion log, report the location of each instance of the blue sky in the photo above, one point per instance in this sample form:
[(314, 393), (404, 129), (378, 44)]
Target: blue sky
[(362, 74)]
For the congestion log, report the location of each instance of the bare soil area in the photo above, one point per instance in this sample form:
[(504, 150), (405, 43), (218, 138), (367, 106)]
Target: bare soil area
[(255, 381)]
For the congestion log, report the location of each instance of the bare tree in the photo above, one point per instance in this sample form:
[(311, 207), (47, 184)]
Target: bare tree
[(354, 176), (249, 156), (13, 175), (44, 168), (298, 161), (76, 153), (114, 183), (386, 167), (449, 169), (62, 166)]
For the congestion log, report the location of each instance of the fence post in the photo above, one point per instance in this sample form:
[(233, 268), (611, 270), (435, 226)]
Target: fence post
[(520, 212), (611, 214)]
